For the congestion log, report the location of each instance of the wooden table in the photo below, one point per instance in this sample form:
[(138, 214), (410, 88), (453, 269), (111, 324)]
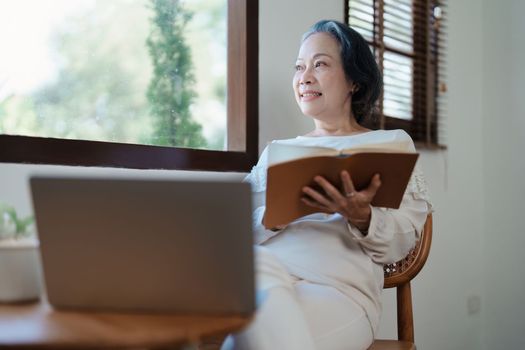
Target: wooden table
[(37, 325)]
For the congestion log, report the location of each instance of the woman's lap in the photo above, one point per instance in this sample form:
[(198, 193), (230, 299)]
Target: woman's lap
[(335, 321), (297, 314)]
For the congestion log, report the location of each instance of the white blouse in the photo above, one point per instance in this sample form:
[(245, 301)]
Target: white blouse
[(324, 248)]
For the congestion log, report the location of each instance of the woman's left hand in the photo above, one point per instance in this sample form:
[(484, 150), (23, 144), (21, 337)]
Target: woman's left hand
[(352, 205)]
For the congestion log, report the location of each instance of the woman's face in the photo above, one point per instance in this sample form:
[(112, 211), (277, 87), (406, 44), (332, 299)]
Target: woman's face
[(320, 85)]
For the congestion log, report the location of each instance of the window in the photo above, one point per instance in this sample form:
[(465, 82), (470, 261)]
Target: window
[(177, 86), (405, 38)]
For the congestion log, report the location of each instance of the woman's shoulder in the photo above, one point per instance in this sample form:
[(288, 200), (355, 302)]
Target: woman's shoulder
[(287, 141), (389, 135), (398, 137)]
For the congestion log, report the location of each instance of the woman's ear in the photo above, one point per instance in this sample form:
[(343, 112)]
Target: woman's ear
[(353, 88)]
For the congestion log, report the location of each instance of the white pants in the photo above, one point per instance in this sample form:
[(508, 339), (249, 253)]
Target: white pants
[(296, 314)]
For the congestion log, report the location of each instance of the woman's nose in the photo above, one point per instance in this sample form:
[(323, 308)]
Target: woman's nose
[(307, 77), (306, 82)]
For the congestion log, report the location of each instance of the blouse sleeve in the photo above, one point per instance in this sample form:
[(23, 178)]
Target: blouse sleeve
[(393, 232), (257, 179)]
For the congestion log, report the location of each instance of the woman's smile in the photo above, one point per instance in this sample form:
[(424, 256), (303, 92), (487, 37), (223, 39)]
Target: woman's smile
[(310, 95)]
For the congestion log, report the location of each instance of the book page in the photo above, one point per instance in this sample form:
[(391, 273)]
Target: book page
[(385, 147), (278, 152)]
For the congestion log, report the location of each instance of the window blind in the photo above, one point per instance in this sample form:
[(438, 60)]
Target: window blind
[(406, 37)]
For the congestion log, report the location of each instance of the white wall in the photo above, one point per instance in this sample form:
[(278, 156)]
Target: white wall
[(504, 170), (476, 183), (454, 272)]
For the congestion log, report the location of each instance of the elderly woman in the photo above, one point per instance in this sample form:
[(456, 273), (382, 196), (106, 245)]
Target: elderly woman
[(320, 278)]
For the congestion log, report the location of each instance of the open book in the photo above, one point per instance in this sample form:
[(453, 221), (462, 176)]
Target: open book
[(291, 167)]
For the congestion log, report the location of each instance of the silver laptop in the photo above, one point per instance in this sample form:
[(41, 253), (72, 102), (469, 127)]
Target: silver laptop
[(146, 245)]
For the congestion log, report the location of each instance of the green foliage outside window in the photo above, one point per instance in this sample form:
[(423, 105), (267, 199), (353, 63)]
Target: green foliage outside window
[(170, 91), (149, 72)]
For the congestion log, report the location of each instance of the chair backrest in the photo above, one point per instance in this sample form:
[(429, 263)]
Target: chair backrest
[(400, 274)]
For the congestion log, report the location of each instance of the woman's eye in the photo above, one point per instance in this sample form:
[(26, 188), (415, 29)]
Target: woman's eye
[(298, 67), (319, 64)]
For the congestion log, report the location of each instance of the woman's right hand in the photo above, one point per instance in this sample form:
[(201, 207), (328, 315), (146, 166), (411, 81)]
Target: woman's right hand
[(353, 205)]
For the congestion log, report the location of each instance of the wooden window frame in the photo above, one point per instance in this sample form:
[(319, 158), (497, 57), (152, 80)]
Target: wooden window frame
[(424, 126), (242, 124)]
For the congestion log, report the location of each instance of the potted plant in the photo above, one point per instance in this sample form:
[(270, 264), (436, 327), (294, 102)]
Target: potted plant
[(19, 261)]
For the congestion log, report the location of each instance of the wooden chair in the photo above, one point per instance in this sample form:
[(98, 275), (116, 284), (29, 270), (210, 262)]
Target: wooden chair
[(399, 275)]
